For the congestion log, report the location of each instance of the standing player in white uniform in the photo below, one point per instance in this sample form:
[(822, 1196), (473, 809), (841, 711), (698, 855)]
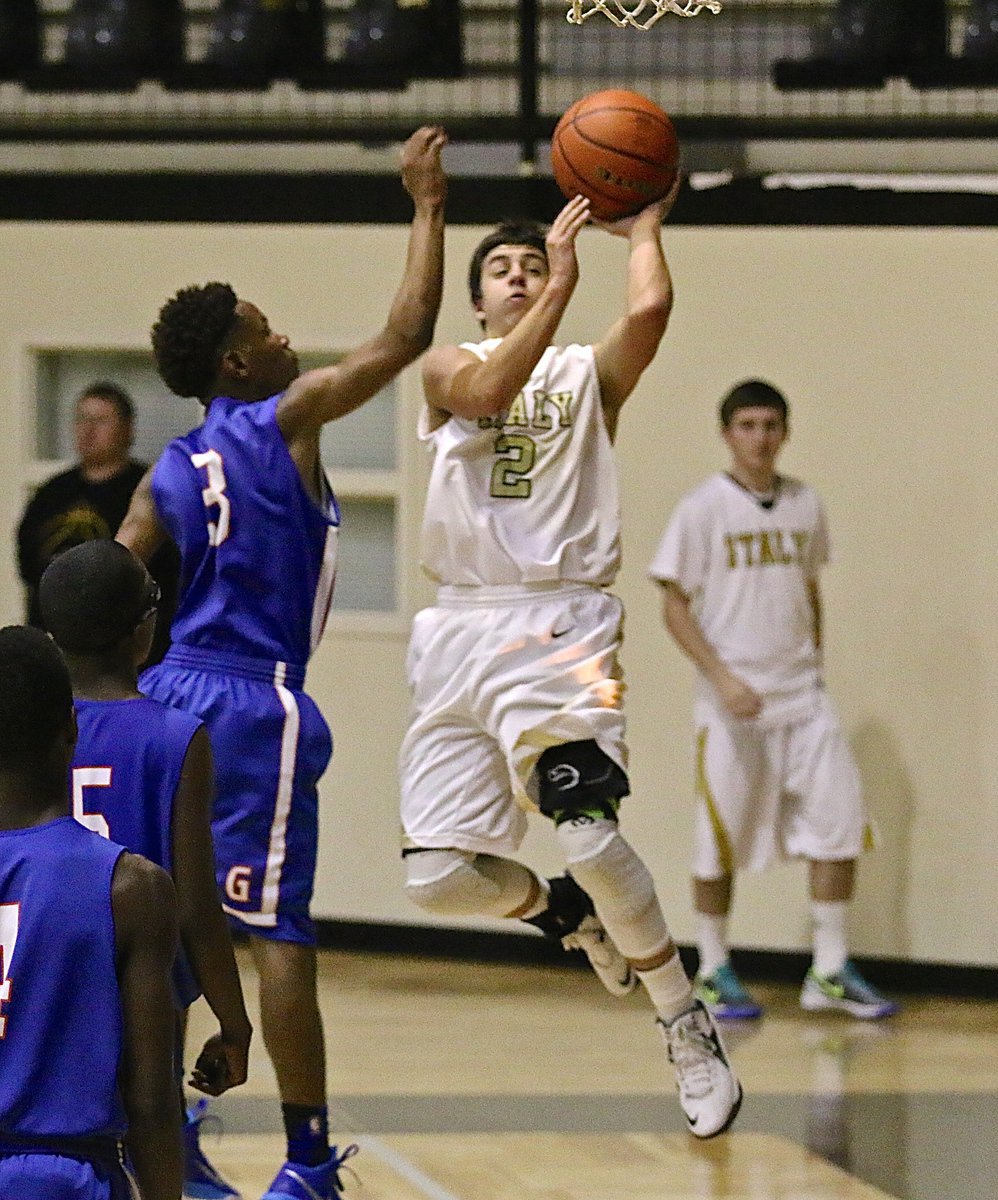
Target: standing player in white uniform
[(739, 564), (516, 684)]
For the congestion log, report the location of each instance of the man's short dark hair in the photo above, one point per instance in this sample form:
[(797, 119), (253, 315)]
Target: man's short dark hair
[(187, 338), (509, 233), (93, 595), (36, 697), (105, 390), (752, 393)]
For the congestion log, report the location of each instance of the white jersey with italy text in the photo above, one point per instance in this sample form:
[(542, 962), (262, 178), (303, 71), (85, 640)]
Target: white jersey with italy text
[(745, 565), (529, 496)]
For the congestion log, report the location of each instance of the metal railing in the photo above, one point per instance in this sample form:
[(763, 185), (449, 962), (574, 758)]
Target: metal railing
[(523, 65)]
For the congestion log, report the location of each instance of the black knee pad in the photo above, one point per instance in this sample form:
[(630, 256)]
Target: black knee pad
[(579, 779)]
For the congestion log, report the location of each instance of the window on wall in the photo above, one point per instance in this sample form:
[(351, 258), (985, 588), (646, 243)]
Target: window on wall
[(60, 376), (359, 452)]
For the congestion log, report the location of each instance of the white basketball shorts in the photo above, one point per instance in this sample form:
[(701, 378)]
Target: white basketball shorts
[(765, 794), (498, 675)]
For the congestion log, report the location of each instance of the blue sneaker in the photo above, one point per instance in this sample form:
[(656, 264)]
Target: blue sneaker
[(724, 996), (845, 992), (310, 1183), (201, 1180)]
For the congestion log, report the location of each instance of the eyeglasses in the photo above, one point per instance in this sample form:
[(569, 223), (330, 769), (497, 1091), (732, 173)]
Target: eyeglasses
[(150, 601)]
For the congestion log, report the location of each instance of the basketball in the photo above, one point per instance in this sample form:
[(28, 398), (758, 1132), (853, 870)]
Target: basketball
[(618, 149)]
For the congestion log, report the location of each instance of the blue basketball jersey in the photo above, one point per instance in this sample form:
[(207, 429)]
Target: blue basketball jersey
[(60, 1010), (258, 555), (124, 777), (126, 769)]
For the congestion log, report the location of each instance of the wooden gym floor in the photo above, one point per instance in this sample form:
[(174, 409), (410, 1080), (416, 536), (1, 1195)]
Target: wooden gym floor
[(469, 1081)]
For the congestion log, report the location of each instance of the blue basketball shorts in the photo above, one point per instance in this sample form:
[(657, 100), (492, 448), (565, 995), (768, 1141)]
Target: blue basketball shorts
[(271, 745), (58, 1177)]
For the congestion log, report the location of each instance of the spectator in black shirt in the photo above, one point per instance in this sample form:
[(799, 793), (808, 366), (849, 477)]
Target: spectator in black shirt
[(90, 501)]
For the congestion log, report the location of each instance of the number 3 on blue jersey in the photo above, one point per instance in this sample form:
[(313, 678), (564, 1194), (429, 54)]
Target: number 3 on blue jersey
[(214, 493)]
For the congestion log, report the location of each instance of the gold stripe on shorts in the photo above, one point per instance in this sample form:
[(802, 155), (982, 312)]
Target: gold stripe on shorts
[(705, 794)]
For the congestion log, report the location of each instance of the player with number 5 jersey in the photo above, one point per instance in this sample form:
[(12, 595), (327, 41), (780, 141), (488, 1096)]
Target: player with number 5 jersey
[(245, 499), (142, 776)]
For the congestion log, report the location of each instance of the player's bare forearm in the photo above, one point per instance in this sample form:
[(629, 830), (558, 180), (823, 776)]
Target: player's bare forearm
[(224, 1061), (738, 697), (145, 918), (629, 346), (686, 632), (204, 932), (207, 943), (649, 282), (329, 393), (141, 530), (456, 382), (493, 385), (413, 315), (814, 596), (332, 392)]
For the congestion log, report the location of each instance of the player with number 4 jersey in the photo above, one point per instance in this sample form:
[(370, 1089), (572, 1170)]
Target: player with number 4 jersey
[(88, 932)]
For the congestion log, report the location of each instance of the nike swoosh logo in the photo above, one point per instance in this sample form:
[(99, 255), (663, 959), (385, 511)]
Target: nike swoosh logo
[(555, 633)]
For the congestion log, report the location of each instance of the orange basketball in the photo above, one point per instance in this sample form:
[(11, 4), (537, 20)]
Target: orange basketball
[(617, 148)]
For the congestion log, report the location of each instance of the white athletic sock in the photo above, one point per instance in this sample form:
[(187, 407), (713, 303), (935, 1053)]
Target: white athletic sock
[(829, 935), (712, 942), (669, 988)]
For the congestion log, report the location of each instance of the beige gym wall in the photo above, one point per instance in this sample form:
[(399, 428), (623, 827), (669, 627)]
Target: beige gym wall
[(884, 341)]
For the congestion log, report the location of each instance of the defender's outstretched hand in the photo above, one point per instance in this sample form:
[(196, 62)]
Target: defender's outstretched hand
[(422, 171)]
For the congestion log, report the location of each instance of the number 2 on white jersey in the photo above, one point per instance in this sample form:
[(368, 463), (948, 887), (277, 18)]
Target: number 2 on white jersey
[(511, 473), (9, 917), (214, 493), (84, 777)]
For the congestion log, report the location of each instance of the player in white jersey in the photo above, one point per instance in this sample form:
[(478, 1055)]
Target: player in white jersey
[(516, 684), (775, 778)]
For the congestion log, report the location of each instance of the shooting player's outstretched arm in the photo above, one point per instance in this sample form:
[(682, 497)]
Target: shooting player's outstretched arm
[(145, 923), (331, 392), (630, 344), (457, 381)]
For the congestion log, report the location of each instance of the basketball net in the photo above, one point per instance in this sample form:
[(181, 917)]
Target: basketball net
[(637, 15)]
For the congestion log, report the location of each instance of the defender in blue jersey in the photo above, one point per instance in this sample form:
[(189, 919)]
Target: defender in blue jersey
[(142, 776), (245, 499), (88, 934)]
